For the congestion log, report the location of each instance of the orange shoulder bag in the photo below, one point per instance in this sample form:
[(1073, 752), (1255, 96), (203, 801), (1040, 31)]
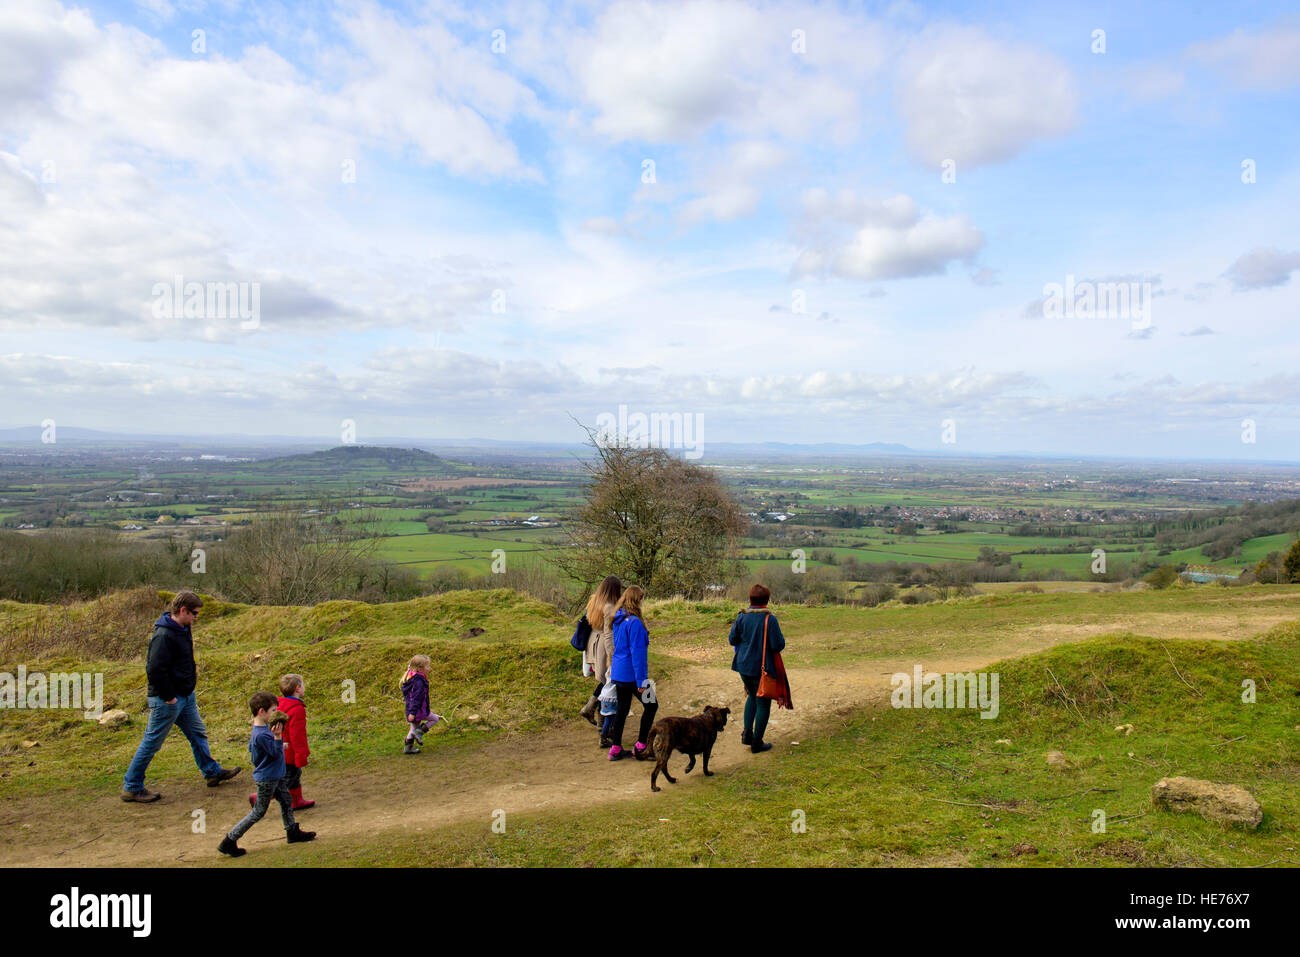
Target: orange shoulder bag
[(768, 686)]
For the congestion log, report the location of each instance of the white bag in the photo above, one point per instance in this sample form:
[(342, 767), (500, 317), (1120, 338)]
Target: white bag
[(609, 692)]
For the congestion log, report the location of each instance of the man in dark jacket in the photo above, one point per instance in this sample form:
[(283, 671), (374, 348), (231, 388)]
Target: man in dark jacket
[(172, 677)]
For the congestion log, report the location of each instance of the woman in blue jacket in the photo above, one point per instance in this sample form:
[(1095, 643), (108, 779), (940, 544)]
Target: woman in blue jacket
[(630, 672)]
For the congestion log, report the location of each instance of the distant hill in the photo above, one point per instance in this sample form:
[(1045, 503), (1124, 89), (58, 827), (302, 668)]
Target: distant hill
[(357, 458)]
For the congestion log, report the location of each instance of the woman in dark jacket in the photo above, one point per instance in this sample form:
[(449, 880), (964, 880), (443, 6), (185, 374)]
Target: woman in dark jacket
[(747, 637)]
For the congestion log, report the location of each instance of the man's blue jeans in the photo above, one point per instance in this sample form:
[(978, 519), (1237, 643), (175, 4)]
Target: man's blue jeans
[(185, 715)]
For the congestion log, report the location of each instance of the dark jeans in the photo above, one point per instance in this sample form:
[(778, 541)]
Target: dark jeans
[(757, 709), (265, 791), (626, 692), (293, 777)]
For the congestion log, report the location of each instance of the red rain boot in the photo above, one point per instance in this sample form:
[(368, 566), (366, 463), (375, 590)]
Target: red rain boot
[(298, 803)]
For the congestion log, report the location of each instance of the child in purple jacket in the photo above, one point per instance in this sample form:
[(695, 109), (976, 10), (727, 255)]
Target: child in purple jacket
[(415, 689)]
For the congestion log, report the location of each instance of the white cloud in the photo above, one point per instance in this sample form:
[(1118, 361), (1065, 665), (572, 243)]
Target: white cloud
[(20, 193), (659, 73), (891, 238), (670, 71), (731, 190), (968, 97), (398, 87), (1268, 60), (732, 201), (1263, 267)]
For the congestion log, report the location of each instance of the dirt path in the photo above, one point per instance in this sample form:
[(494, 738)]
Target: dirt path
[(518, 773)]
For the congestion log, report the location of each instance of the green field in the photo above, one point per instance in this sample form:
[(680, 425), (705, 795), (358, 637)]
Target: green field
[(1062, 512)]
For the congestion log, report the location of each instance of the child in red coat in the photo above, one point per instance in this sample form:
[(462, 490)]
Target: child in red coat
[(292, 689)]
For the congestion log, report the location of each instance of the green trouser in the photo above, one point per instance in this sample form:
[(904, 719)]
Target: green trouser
[(757, 709)]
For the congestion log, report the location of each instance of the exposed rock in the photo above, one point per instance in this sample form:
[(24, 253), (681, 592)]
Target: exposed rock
[(111, 719), (1125, 729), (474, 719), (1058, 761), (1022, 849), (473, 632), (31, 744), (1228, 803), (348, 648), (1002, 743)]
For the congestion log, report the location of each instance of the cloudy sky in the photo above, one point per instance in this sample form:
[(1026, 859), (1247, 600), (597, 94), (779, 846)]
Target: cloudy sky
[(799, 222)]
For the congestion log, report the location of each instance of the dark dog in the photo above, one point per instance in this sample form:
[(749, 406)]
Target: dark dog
[(691, 736)]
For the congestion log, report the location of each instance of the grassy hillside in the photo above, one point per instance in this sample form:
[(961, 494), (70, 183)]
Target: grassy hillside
[(927, 787), (875, 785), (518, 674)]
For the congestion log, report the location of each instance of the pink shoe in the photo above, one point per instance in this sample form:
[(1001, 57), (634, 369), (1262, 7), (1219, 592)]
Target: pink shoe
[(615, 753)]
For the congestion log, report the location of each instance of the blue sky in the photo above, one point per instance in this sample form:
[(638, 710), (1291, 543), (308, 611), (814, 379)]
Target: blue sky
[(451, 240)]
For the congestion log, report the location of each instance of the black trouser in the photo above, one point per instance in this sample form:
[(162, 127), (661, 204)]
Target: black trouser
[(756, 709), (293, 777), (626, 692)]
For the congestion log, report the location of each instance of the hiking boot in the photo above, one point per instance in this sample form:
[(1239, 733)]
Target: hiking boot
[(642, 753), (759, 746), (616, 753), (142, 796), (606, 741), (409, 747), (296, 835), (589, 709), (220, 776), (747, 737), (227, 846)]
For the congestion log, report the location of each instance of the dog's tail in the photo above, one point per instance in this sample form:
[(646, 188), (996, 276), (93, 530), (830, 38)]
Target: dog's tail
[(659, 741)]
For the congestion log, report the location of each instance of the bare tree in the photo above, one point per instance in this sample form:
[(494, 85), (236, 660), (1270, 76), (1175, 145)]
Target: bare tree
[(297, 556), (653, 520)]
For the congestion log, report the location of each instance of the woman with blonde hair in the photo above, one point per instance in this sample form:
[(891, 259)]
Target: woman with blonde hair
[(629, 670), (600, 645)]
